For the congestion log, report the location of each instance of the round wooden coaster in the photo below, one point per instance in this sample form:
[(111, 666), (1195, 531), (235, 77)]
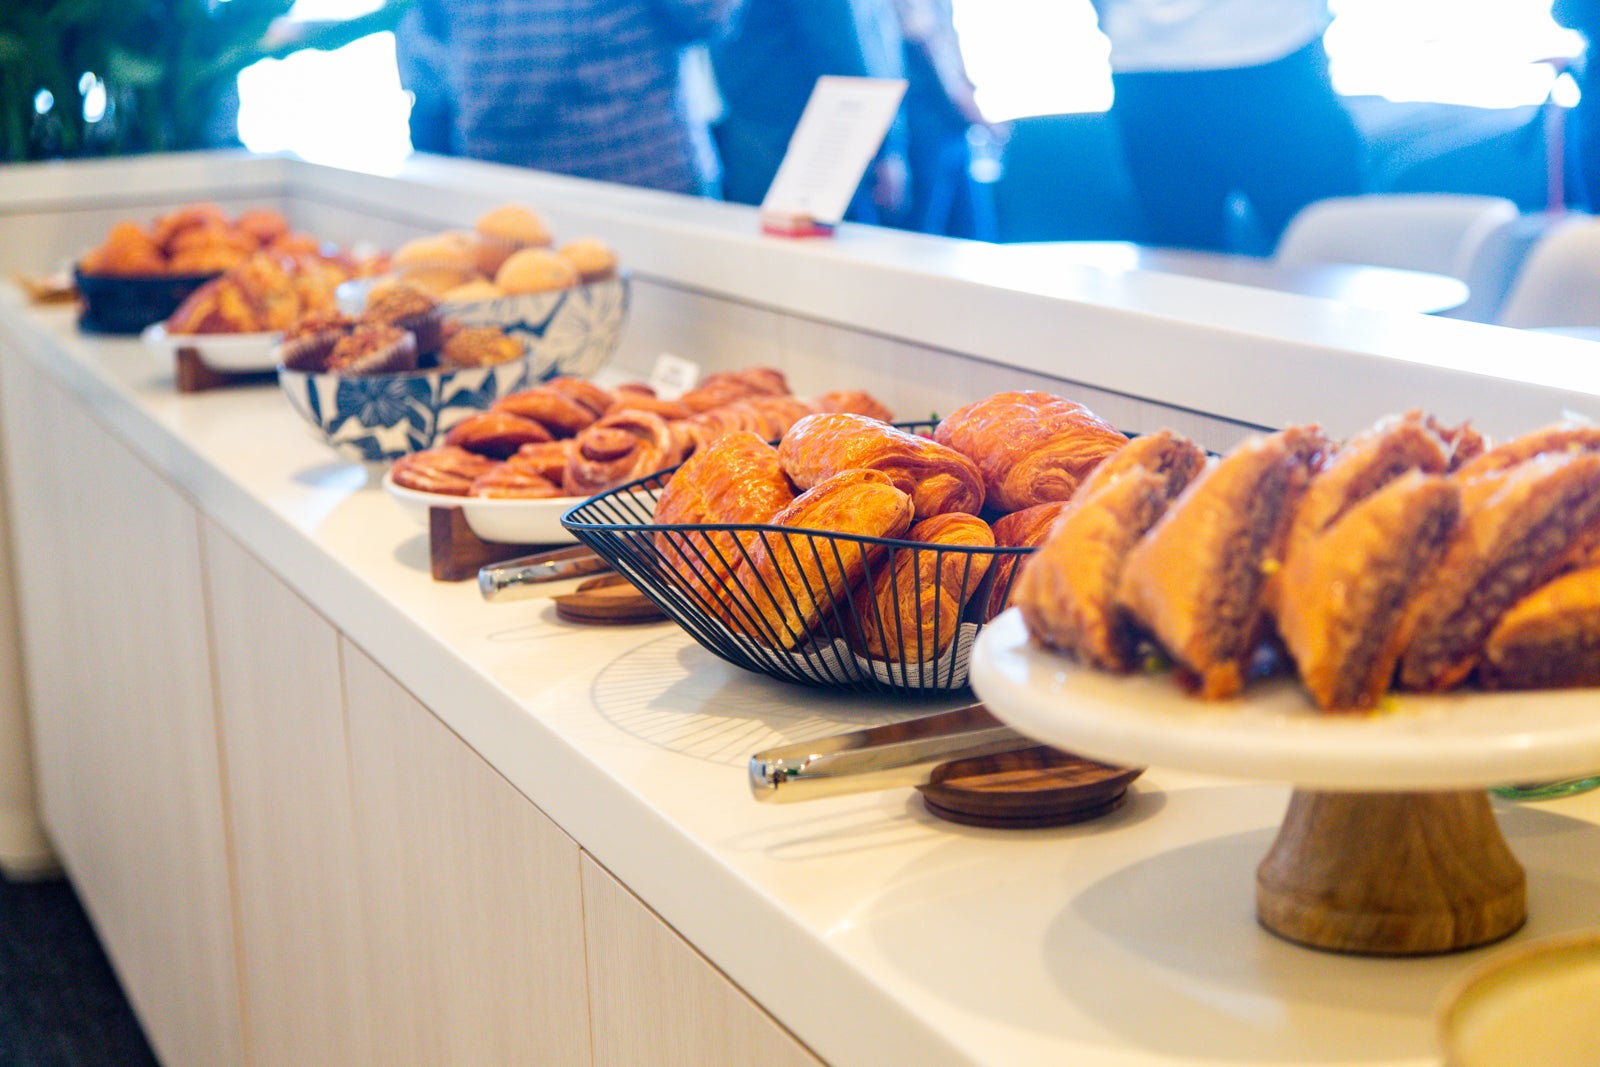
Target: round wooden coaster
[(1030, 788), (609, 600)]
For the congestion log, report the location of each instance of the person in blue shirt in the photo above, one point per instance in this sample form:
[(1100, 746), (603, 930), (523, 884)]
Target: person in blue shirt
[(591, 88), (766, 67)]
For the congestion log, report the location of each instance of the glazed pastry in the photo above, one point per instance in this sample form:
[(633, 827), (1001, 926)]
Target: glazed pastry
[(535, 270), (1520, 527), (1195, 581), (1550, 638), (632, 400), (777, 413), (444, 469), (496, 433), (585, 392), (262, 223), (1345, 587), (854, 401), (373, 348), (938, 478), (703, 429), (793, 582), (1027, 528), (725, 387), (1067, 589), (559, 413), (480, 346), (510, 482), (915, 602), (547, 459), (1562, 437), (735, 480), (619, 448), (1032, 447)]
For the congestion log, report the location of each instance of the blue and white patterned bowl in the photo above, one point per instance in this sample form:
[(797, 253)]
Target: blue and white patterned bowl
[(569, 331), (376, 418)]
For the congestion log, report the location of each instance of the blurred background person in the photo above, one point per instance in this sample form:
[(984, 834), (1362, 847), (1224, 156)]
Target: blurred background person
[(1584, 123), (1215, 99), (942, 114), (765, 69), (592, 88)]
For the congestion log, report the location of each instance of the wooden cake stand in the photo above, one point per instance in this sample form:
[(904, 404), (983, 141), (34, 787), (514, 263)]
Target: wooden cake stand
[(1389, 845)]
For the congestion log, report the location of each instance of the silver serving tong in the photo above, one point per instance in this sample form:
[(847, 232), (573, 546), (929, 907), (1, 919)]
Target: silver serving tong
[(519, 579), (882, 757)]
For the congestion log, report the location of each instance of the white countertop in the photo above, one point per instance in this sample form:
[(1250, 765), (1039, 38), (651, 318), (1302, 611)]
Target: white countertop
[(876, 933)]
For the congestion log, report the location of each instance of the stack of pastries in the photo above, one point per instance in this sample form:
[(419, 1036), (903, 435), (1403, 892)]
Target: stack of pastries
[(895, 534), (198, 238), (266, 292), (1412, 556), (572, 438)]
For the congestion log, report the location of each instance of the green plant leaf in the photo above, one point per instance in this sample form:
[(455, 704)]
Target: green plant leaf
[(135, 71)]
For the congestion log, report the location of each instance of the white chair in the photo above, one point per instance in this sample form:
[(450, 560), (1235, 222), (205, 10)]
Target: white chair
[(1435, 232), (1559, 284)]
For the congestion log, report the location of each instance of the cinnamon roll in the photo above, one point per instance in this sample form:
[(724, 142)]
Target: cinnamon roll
[(619, 448)]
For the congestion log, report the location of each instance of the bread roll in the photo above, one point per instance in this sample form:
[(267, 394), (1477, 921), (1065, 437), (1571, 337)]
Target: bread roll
[(1032, 447), (913, 609), (938, 479)]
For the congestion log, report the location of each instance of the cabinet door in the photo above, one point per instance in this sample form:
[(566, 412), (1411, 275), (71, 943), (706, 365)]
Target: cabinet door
[(474, 912), (287, 777), (114, 632), (654, 999)]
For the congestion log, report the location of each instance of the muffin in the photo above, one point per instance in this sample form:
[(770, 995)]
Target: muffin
[(591, 257), (307, 344), (473, 292), (479, 346), (535, 270), (506, 229), (410, 309), (374, 348), (437, 263)]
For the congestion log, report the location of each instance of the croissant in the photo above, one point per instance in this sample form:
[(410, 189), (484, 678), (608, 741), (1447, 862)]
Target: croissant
[(1548, 639), (939, 479), (1195, 581), (735, 480), (618, 448), (793, 581), (1343, 589), (1520, 527), (496, 433), (445, 469), (552, 408), (1032, 447), (1067, 590), (854, 401), (912, 609), (1020, 529)]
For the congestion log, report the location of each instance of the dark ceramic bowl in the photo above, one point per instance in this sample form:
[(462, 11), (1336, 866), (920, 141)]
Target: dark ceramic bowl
[(126, 304)]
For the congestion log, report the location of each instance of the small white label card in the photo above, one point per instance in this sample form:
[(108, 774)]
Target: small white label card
[(672, 376), (844, 122)]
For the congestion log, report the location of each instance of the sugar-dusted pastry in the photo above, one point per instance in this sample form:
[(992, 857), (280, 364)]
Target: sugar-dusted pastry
[(1032, 447), (914, 606), (1195, 581), (735, 480), (1560, 437), (1550, 638), (1519, 527), (793, 582), (1018, 529), (1344, 589), (496, 433), (443, 469), (856, 402), (373, 348), (535, 270), (556, 410), (480, 346), (1067, 589), (938, 478), (618, 448)]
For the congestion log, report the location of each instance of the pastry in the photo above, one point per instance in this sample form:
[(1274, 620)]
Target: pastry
[(1561, 437), (938, 478), (913, 608), (507, 481), (1519, 528), (306, 345), (793, 582), (1031, 447), (632, 400), (619, 448), (735, 480), (480, 346), (496, 433), (562, 415), (373, 348), (1548, 639), (444, 469), (596, 398), (1020, 529), (856, 402), (725, 387), (515, 225), (535, 270), (1067, 589), (1343, 590), (777, 413), (126, 251), (703, 429), (1195, 581), (262, 223), (409, 308), (547, 459), (591, 257), (475, 291)]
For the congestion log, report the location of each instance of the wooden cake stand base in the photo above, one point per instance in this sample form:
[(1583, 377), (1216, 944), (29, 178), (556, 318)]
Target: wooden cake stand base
[(1391, 874)]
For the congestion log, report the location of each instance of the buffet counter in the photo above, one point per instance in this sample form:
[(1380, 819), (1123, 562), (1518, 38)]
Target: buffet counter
[(326, 810)]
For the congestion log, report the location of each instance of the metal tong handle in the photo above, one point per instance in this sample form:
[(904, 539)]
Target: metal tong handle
[(517, 579), (882, 757)]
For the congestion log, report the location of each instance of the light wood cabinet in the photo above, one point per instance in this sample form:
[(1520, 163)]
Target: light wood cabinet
[(471, 895), (286, 770), (113, 621), (657, 1001)]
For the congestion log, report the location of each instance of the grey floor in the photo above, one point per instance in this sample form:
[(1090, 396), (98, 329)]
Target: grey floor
[(60, 1004)]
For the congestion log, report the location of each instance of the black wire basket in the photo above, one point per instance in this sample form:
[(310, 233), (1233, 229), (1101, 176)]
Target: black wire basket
[(814, 615)]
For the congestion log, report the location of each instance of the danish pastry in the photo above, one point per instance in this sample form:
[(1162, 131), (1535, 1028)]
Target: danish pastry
[(619, 448), (559, 413), (496, 433)]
